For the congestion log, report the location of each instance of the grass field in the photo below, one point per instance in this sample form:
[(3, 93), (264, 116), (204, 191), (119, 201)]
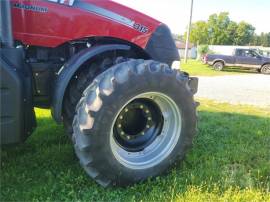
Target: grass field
[(230, 161), (197, 68)]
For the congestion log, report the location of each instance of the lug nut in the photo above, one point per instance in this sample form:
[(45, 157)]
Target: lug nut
[(122, 133), (147, 126), (119, 125), (128, 137), (149, 118), (141, 106), (121, 117), (142, 133), (147, 111), (126, 110)]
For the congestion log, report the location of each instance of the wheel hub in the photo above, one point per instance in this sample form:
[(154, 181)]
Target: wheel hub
[(138, 124)]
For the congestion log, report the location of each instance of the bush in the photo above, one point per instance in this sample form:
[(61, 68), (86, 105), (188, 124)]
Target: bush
[(203, 49)]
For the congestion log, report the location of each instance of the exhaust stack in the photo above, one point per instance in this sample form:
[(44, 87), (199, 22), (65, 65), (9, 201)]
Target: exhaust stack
[(6, 35)]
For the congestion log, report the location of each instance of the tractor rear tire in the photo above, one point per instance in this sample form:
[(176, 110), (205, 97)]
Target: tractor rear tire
[(133, 122)]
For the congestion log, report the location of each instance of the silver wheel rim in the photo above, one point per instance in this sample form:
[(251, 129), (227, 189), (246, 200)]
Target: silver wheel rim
[(218, 66), (163, 144)]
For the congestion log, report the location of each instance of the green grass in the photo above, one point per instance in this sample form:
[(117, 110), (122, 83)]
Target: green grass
[(197, 68), (230, 161)]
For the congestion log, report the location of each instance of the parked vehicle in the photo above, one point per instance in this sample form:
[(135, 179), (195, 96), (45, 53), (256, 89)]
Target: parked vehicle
[(104, 71), (245, 58)]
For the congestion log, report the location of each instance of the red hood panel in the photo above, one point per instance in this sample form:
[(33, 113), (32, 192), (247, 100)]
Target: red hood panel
[(49, 24)]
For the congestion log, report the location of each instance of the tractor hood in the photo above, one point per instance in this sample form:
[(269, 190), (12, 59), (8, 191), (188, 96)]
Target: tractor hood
[(50, 23), (151, 34)]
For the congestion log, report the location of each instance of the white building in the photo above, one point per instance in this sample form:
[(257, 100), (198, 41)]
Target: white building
[(228, 50)]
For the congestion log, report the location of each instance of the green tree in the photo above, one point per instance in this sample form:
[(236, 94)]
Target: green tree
[(231, 33), (261, 40), (256, 40), (265, 39), (219, 29), (268, 40), (217, 26), (199, 33), (244, 33)]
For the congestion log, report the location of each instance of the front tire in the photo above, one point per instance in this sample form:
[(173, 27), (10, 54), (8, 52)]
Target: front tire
[(133, 122), (265, 69)]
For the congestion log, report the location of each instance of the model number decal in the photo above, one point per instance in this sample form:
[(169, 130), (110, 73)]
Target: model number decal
[(31, 7), (110, 15), (140, 28)]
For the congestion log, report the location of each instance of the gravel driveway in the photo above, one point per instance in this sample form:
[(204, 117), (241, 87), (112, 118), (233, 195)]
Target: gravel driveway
[(240, 89)]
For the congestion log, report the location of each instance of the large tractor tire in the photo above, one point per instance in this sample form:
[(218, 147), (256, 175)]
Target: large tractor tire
[(133, 122), (78, 84)]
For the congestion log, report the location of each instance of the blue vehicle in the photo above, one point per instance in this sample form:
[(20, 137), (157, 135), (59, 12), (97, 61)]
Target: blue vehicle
[(244, 58)]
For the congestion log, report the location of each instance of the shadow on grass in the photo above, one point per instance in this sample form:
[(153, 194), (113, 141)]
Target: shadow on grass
[(240, 70), (235, 70), (230, 150)]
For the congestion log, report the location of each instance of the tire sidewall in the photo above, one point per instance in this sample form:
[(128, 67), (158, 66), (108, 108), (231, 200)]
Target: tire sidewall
[(104, 118)]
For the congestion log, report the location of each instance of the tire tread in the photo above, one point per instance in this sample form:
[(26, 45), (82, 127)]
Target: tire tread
[(103, 86)]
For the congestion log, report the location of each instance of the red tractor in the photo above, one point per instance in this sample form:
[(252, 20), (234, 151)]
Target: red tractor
[(105, 72)]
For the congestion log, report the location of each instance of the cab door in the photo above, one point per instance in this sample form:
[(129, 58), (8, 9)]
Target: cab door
[(248, 58)]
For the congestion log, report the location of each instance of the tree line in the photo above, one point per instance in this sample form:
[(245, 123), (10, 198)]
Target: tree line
[(219, 29)]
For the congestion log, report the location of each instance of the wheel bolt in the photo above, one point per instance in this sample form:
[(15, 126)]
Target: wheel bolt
[(147, 126), (141, 106), (122, 133), (147, 111), (119, 125), (142, 133), (149, 118), (121, 117), (128, 137), (126, 110)]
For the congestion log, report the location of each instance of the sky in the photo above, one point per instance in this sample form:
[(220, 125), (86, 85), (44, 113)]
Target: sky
[(175, 13)]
